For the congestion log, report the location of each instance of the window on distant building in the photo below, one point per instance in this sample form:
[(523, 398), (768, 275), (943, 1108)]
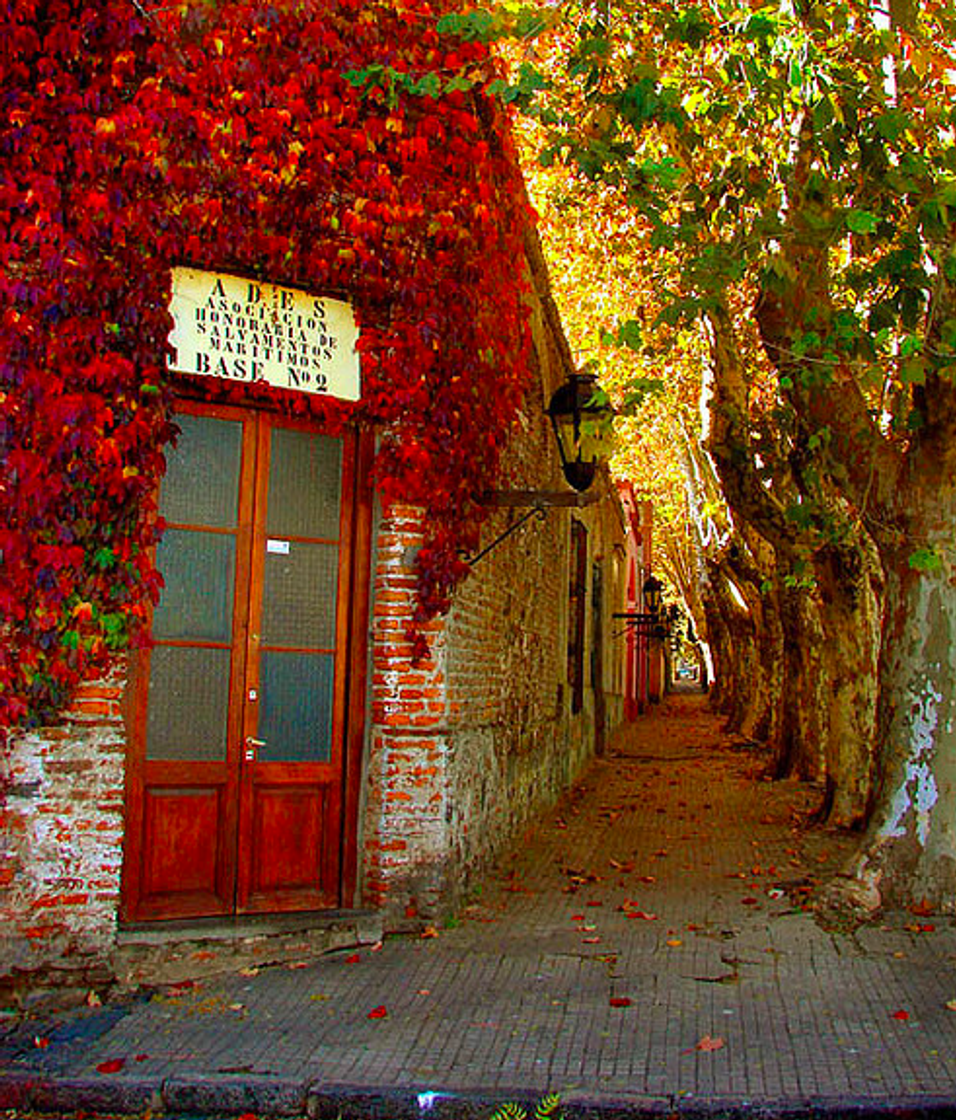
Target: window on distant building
[(578, 582)]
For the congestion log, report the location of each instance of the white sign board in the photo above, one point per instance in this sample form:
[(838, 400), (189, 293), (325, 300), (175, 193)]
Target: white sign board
[(247, 330)]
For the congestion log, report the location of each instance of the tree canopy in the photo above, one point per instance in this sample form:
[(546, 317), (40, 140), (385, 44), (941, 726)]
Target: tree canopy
[(775, 186)]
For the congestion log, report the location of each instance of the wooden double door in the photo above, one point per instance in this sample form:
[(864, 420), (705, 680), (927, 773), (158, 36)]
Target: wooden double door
[(245, 714)]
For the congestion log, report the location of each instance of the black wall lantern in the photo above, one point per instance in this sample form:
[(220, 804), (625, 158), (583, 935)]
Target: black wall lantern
[(579, 416), (652, 592), (652, 622)]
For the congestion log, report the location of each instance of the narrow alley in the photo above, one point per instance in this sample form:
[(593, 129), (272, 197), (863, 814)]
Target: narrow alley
[(646, 948)]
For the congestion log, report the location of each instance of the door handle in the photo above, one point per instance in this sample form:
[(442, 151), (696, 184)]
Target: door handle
[(252, 745)]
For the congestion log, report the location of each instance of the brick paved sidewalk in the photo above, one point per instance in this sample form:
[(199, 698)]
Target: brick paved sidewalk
[(644, 950)]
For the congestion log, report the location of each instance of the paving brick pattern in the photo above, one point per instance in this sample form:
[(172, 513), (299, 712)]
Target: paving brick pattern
[(646, 947)]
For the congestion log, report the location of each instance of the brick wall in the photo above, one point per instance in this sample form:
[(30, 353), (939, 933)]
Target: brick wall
[(468, 748), (61, 846)]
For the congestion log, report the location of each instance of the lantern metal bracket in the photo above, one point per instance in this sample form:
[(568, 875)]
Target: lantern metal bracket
[(539, 501), (645, 625)]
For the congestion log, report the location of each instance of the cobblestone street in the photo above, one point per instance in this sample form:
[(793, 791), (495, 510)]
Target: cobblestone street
[(647, 948)]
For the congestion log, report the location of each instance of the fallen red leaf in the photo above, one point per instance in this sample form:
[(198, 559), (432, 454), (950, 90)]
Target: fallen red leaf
[(620, 1001), (353, 958), (901, 1015), (114, 1065), (378, 1012), (709, 1043)]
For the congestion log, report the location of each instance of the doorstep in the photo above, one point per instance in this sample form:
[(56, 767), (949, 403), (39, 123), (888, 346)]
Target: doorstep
[(154, 954)]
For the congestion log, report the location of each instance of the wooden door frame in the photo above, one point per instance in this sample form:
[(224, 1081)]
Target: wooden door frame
[(353, 624)]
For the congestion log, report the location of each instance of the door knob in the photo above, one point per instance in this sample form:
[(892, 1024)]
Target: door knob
[(252, 745)]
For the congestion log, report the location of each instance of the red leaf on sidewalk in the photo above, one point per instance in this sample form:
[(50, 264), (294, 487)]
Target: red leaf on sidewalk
[(709, 1043), (901, 1015), (620, 1001), (378, 1012), (114, 1065)]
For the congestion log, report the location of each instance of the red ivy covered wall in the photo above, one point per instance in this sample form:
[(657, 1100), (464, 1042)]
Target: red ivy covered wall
[(139, 134)]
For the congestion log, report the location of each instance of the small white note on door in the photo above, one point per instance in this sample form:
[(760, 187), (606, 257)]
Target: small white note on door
[(280, 548)]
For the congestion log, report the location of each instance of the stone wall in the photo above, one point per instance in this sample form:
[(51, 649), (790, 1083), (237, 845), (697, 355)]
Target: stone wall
[(61, 824)]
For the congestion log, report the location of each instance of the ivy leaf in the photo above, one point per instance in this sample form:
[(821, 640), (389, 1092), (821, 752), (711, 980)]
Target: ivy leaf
[(104, 559)]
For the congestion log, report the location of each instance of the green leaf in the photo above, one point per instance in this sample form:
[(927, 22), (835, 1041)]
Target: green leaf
[(892, 124), (913, 371), (925, 560), (547, 1107), (629, 334), (477, 26), (861, 221), (760, 26), (104, 559)]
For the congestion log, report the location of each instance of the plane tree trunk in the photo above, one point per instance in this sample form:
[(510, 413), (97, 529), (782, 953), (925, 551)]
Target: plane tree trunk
[(909, 855), (825, 723), (902, 488)]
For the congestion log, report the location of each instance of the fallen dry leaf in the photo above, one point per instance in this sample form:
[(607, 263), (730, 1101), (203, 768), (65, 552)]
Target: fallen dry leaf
[(621, 1001), (901, 1015), (352, 958), (249, 971), (951, 1005), (709, 1043), (378, 1012), (114, 1065)]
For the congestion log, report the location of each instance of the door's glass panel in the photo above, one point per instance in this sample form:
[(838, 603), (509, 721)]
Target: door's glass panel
[(295, 714), (199, 571), (305, 474), (298, 596), (188, 704), (201, 486)]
